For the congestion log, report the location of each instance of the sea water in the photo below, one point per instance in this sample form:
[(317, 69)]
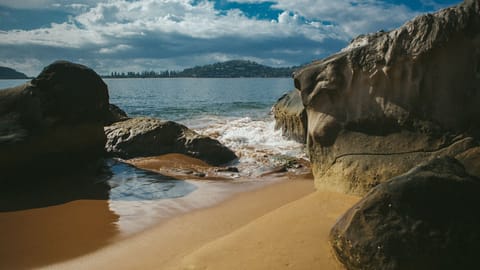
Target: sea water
[(235, 111)]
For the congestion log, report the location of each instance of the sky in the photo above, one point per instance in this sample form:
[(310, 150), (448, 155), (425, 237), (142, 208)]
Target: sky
[(139, 35)]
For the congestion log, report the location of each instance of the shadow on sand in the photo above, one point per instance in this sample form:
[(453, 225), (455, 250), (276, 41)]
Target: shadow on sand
[(46, 219)]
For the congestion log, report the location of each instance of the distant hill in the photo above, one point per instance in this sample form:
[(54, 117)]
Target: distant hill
[(228, 69), (9, 73), (235, 68)]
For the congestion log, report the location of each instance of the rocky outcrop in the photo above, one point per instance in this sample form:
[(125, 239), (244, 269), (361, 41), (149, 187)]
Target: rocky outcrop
[(56, 120), (114, 114), (425, 219), (290, 116), (141, 137), (394, 99)]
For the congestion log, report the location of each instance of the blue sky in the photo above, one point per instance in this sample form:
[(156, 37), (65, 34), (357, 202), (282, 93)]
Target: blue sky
[(137, 35)]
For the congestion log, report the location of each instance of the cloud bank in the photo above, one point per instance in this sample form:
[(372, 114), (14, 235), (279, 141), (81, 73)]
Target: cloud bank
[(127, 35)]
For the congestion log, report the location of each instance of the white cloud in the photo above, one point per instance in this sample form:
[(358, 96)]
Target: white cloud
[(124, 19), (63, 35), (353, 17), (115, 49), (29, 66), (47, 4), (181, 33)]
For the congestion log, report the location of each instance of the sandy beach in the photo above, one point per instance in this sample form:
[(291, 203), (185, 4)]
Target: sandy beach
[(279, 226)]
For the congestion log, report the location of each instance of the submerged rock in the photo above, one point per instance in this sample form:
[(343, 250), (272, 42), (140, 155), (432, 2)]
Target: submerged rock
[(394, 99), (143, 136), (425, 219), (54, 121), (291, 117)]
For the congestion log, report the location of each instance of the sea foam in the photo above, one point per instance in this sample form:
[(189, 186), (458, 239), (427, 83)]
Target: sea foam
[(256, 142)]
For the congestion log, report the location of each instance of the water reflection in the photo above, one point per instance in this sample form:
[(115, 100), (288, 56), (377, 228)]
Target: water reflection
[(128, 183), (46, 219)]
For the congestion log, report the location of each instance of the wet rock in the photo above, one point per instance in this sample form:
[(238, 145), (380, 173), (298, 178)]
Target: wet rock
[(54, 122), (199, 174), (228, 169), (279, 169), (290, 116), (392, 100), (143, 136), (425, 219)]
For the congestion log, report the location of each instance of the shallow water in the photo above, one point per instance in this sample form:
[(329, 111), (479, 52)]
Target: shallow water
[(75, 215), (63, 217)]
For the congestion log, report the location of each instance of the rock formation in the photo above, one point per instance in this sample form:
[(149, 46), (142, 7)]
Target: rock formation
[(290, 116), (56, 120), (394, 99), (140, 137), (424, 219), (115, 114)]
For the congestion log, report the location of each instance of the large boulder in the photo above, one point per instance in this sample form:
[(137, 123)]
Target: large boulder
[(394, 99), (56, 120), (143, 136), (114, 114), (290, 116), (425, 219)]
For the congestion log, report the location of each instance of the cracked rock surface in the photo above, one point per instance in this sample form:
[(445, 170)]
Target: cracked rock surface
[(392, 100)]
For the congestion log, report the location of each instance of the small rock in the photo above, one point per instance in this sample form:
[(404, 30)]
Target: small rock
[(144, 136), (199, 174), (229, 169)]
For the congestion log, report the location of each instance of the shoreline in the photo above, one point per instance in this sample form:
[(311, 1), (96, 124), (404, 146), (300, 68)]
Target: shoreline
[(192, 240)]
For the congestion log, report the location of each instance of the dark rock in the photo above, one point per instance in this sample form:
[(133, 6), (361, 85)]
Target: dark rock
[(53, 122), (471, 160), (140, 137), (392, 100), (291, 117), (228, 169), (425, 219), (115, 114)]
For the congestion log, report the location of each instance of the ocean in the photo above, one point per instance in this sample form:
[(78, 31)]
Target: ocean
[(235, 111)]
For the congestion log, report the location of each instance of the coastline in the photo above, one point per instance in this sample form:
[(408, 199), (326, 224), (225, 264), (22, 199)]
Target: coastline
[(193, 240)]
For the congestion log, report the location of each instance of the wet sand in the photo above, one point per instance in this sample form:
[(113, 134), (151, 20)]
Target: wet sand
[(279, 226), (42, 236), (272, 222)]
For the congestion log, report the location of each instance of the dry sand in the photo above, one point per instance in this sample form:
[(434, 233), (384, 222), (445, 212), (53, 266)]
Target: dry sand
[(294, 236), (284, 225)]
